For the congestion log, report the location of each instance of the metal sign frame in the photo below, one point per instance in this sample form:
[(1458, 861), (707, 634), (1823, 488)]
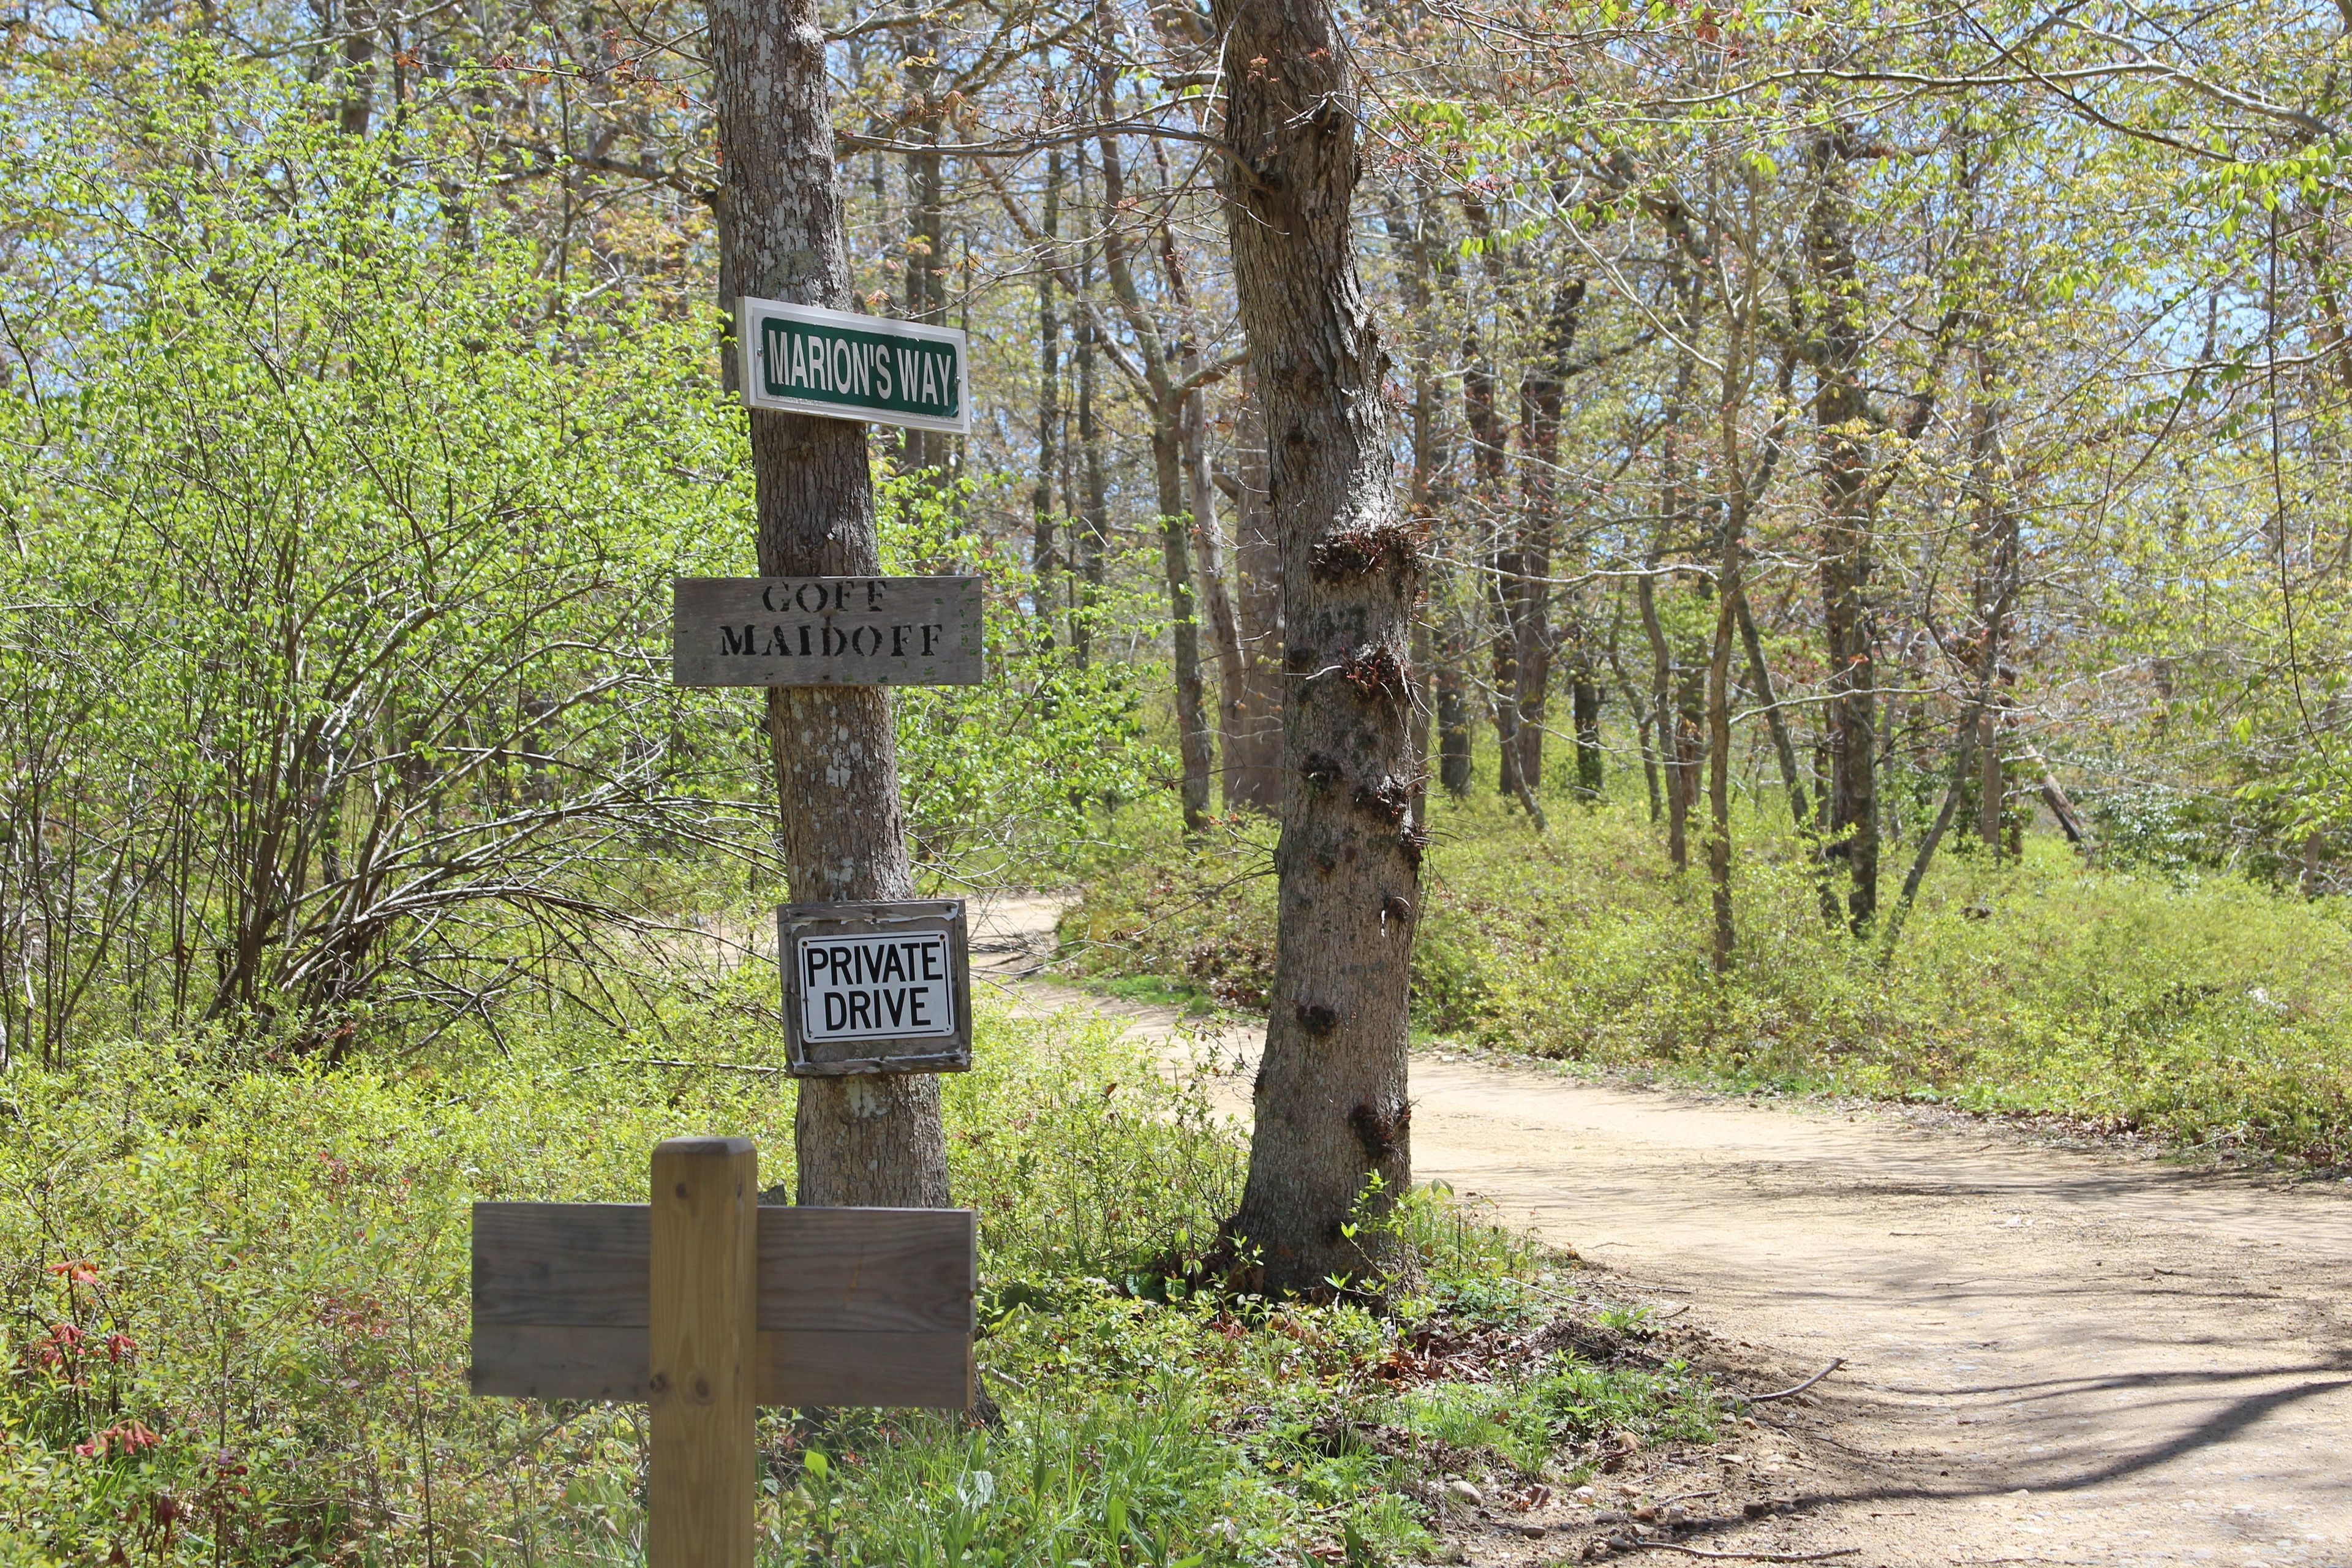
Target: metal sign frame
[(797, 924)]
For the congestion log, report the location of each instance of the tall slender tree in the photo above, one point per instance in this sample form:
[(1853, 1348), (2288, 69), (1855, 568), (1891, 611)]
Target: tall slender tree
[(1331, 1148), (1045, 558), (1848, 551), (864, 1140)]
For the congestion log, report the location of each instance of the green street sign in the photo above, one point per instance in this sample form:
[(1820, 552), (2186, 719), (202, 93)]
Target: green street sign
[(803, 360)]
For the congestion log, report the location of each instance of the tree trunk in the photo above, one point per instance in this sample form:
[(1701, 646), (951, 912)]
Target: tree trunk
[(1254, 769), (1045, 554), (1964, 745), (1453, 703), (1643, 734), (1486, 462), (1167, 406), (1799, 810), (358, 83), (1183, 624), (1585, 705), (1993, 531), (1661, 698), (2053, 795), (1216, 598), (859, 1140), (1991, 784), (1731, 593), (1674, 744), (1718, 759), (924, 258), (1333, 1118), (1441, 607), (1201, 495), (1406, 233), (1841, 409), (1093, 508), (1690, 751), (1541, 390)]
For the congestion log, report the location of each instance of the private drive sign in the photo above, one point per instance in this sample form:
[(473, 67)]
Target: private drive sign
[(876, 988), (803, 360), (825, 631)]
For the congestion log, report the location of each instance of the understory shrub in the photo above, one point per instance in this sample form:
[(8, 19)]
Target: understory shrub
[(233, 1313)]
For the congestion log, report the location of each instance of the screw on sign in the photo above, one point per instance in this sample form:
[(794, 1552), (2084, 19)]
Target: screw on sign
[(706, 1303)]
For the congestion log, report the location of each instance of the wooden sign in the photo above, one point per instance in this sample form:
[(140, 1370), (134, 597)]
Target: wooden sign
[(825, 631), (872, 988), (855, 1306), (705, 1303), (805, 360)]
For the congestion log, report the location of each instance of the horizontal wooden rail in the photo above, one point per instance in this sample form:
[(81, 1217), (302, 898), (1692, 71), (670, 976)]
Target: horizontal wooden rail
[(861, 1307)]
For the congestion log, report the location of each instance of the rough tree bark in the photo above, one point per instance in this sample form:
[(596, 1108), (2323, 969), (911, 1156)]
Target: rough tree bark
[(1487, 456), (1046, 554), (860, 1141), (1254, 770), (1841, 412), (1201, 497), (1332, 1112), (1542, 389), (1092, 541)]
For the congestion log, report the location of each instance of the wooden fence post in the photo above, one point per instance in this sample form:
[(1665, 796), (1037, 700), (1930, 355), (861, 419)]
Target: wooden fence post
[(704, 1311)]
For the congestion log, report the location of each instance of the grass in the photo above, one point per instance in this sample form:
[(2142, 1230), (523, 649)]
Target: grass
[(233, 1314), (2206, 1010)]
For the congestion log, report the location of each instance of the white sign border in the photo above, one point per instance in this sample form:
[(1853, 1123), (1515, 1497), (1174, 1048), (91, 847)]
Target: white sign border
[(747, 345), (872, 916)]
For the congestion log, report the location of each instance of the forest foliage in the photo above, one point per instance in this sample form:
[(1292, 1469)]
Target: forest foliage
[(1879, 470), (232, 1350), (2174, 1006), (1939, 411)]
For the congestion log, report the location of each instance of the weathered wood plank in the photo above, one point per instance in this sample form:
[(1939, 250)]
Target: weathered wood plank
[(875, 1271), (928, 1370), (524, 1360), (932, 1371), (587, 1266), (703, 1360), (570, 1265), (825, 631)]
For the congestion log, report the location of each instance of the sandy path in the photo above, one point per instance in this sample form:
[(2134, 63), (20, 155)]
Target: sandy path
[(2052, 1356)]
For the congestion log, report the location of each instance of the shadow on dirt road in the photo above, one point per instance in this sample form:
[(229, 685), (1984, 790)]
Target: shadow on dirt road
[(2052, 1356)]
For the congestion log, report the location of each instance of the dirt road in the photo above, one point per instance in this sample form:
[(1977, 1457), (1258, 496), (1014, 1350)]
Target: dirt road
[(2052, 1356)]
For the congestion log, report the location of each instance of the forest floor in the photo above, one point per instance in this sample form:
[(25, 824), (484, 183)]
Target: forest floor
[(2052, 1354)]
